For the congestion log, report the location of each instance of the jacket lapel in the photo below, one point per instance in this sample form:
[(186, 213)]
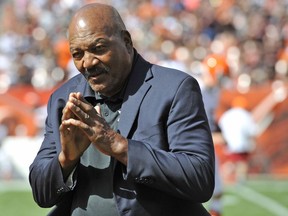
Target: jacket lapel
[(81, 85), (136, 90)]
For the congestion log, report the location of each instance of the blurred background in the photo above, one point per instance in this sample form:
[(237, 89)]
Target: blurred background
[(241, 45)]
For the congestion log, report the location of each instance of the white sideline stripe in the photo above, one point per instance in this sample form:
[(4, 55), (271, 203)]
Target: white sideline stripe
[(261, 200)]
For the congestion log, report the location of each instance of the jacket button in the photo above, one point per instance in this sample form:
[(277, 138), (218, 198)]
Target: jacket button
[(60, 190), (144, 180), (148, 180)]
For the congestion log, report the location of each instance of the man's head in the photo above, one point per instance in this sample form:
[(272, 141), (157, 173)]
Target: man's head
[(101, 47)]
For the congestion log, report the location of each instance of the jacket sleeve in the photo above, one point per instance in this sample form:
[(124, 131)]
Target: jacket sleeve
[(45, 174), (184, 165)]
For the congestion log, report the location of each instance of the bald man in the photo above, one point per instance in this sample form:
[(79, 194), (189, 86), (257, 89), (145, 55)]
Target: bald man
[(124, 137)]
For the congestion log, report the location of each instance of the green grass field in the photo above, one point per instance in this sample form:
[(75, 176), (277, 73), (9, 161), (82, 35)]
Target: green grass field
[(16, 200), (255, 198)]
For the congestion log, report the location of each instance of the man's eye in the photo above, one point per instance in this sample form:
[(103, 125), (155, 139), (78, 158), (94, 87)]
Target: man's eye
[(99, 49), (76, 55)]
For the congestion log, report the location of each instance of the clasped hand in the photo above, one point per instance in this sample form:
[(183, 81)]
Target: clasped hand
[(81, 126)]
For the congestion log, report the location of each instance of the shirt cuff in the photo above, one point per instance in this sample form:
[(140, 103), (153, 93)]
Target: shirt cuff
[(71, 181)]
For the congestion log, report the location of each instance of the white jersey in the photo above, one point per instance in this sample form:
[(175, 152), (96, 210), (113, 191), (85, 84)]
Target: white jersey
[(238, 129)]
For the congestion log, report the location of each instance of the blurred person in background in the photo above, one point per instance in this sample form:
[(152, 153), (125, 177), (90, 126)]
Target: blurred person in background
[(214, 77), (120, 138), (239, 131), (241, 125)]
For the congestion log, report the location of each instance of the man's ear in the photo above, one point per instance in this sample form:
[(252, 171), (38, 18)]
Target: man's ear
[(127, 39)]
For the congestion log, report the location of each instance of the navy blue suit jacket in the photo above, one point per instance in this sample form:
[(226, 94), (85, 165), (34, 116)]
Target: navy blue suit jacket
[(170, 150)]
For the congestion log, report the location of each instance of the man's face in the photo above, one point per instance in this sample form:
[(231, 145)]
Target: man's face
[(102, 56)]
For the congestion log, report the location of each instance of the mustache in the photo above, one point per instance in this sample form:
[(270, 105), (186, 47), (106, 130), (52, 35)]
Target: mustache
[(94, 71)]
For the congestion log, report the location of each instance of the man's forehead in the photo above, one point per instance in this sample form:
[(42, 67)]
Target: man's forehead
[(94, 13), (91, 22), (81, 23)]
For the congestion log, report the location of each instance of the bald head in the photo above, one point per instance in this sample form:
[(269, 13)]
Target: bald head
[(99, 17), (101, 47)]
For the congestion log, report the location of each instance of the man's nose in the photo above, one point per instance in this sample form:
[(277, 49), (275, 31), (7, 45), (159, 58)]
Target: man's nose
[(90, 60)]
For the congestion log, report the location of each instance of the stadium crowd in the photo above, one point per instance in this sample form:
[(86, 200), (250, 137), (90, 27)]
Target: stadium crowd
[(252, 36)]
